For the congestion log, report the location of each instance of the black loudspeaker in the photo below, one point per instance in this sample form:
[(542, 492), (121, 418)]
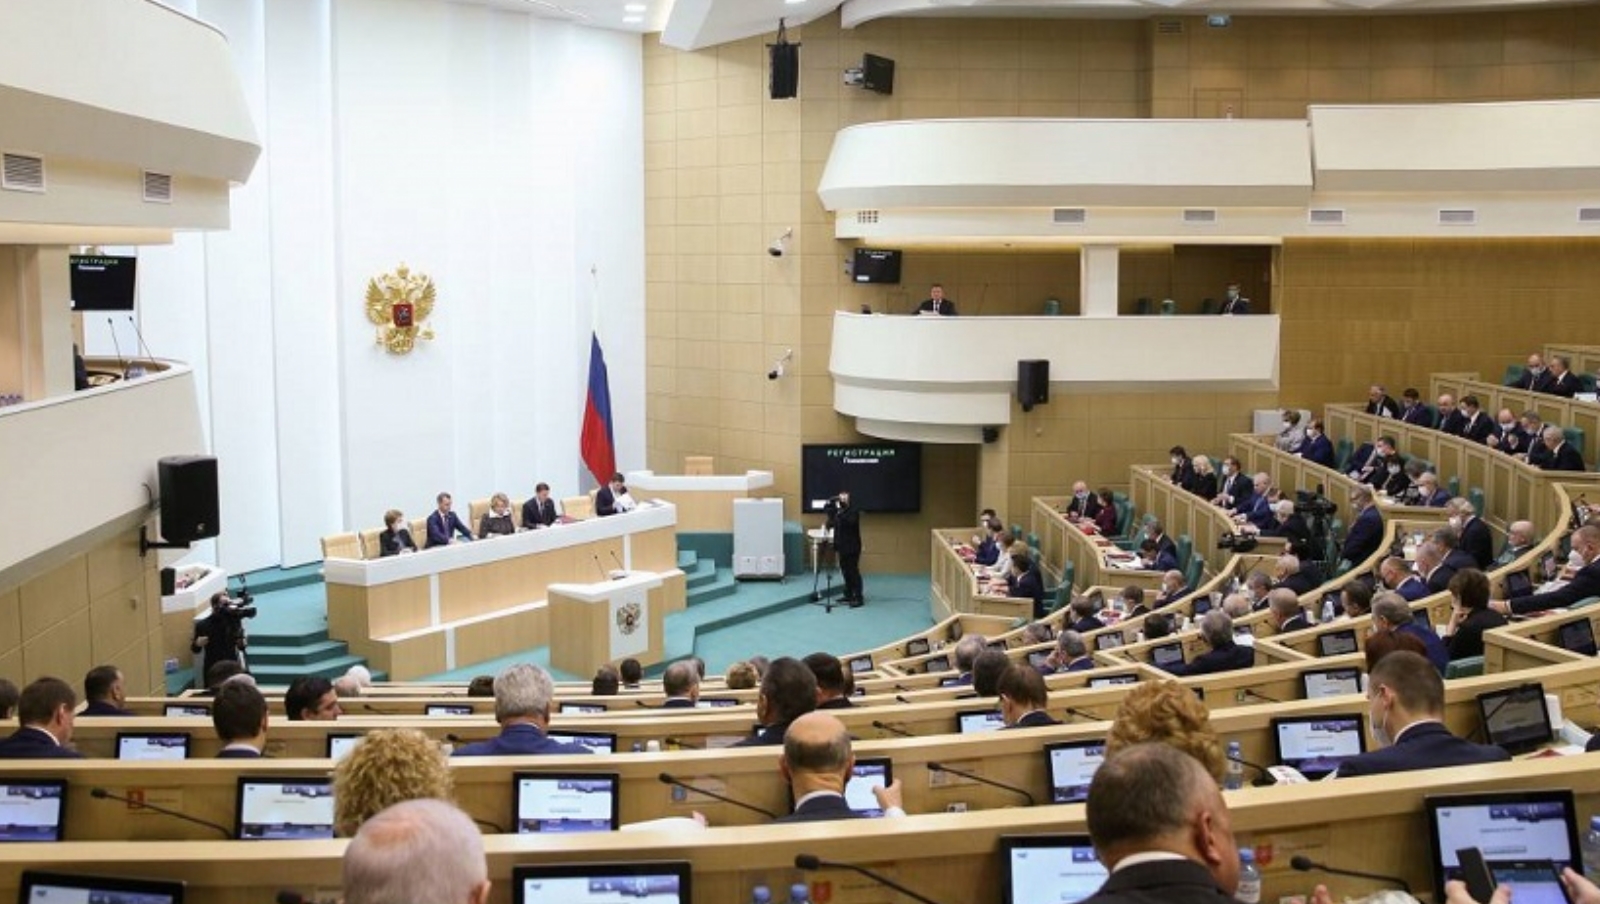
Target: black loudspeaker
[(169, 581), (188, 498), (991, 434), (1033, 383), (785, 69)]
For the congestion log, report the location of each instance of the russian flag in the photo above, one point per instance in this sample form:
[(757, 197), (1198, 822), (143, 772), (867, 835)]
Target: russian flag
[(598, 445)]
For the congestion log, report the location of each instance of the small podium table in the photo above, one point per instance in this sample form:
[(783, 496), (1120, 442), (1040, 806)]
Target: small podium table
[(593, 624)]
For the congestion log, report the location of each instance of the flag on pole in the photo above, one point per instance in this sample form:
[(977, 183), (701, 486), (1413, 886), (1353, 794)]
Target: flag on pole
[(597, 444)]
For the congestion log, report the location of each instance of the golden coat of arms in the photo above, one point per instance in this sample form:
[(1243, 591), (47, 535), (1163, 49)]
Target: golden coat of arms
[(628, 616), (399, 303)]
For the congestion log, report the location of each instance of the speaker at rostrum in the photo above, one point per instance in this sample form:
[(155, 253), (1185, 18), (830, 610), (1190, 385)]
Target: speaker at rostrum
[(1033, 383), (188, 498)]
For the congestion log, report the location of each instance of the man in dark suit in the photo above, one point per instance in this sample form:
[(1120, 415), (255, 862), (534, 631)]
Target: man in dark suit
[(239, 715), (1584, 583), (44, 710), (1507, 435), (220, 635), (445, 525), (1473, 537), (968, 649), (1451, 420), (1365, 535), (613, 498), (1562, 381), (1432, 568), (539, 511), (1156, 806), (1398, 577), (1233, 302), (834, 681), (1412, 411), (1382, 404), (1025, 581), (681, 683), (1084, 504), (1407, 720), (844, 520), (1023, 698), (1563, 456), (788, 691), (1070, 655), (1225, 655), (1084, 614), (817, 763), (1172, 589), (522, 694), (1294, 577), (936, 303), (1286, 614), (1288, 524), (1477, 425), (395, 537), (311, 698), (1237, 487), (1535, 377), (103, 690), (1391, 613)]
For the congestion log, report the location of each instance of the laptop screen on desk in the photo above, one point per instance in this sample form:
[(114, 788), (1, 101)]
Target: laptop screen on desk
[(1507, 825), (152, 745), (1072, 765), (1167, 655), (1316, 745), (601, 883), (1337, 643), (1049, 869), (33, 809), (980, 720), (1318, 683), (596, 741), (1516, 718), (565, 803), (284, 809), (60, 888), (1577, 637)]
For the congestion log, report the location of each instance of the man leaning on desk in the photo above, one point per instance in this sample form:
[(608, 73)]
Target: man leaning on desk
[(936, 303)]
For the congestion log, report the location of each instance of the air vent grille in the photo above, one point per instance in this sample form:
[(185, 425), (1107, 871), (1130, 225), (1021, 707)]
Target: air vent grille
[(21, 172), (1589, 214), (1069, 216), (1463, 216), (866, 217), (1325, 216), (1169, 27), (1200, 217), (157, 188)]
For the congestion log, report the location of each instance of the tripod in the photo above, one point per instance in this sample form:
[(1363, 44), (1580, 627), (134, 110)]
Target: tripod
[(827, 561)]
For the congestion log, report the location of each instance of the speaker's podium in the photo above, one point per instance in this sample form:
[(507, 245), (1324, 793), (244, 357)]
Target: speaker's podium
[(593, 624)]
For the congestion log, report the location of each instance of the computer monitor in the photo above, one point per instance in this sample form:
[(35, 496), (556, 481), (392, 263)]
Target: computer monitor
[(596, 741), (1316, 745), (869, 773), (152, 745), (977, 721), (999, 646), (938, 663), (860, 664), (1108, 641), (1318, 683), (918, 646), (664, 882), (561, 802), (1515, 719), (717, 702), (284, 808), (1071, 765), (340, 744), (1166, 655), (950, 681), (1038, 658), (1337, 643), (1577, 637), (447, 709), (584, 709), (1505, 825), (33, 809), (1047, 869), (181, 709), (59, 888), (1113, 680)]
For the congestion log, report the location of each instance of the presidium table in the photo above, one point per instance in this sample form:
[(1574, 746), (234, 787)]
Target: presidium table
[(449, 607)]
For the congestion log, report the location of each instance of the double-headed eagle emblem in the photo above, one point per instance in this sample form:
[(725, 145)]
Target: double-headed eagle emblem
[(628, 615), (399, 303)]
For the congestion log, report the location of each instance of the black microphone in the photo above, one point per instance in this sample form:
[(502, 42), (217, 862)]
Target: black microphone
[(121, 362), (1263, 779), (884, 726), (149, 358), (811, 862), (368, 707), (1305, 865), (973, 776), (613, 554), (600, 568), (103, 794), (901, 698), (1083, 714), (684, 745), (1259, 696), (668, 779), (489, 825)]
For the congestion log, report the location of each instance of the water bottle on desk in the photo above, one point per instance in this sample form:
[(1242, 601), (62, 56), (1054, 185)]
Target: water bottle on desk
[(1590, 845), (1233, 779), (761, 895), (799, 893), (1249, 878)]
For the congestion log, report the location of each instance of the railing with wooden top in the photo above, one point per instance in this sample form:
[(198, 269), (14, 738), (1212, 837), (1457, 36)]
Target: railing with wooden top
[(1061, 541), (1552, 409)]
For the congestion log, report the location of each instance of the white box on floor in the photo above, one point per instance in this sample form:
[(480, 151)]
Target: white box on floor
[(758, 538)]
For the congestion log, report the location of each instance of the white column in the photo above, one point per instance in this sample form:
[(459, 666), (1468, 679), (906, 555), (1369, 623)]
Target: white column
[(1097, 280)]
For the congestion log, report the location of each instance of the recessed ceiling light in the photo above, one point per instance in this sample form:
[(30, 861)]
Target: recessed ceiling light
[(634, 8), (632, 20)]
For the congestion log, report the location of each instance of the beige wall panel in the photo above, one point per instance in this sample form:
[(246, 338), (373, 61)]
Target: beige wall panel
[(53, 596), (61, 650), (116, 617), (10, 621), (491, 639)]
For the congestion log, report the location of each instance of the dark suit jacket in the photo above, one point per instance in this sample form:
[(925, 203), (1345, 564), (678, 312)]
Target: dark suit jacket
[(605, 501), (1510, 441), (1106, 520), (1204, 486), (1318, 449), (536, 515), (772, 735), (1239, 306), (837, 703), (820, 809), (102, 708), (390, 542), (1168, 599), (1459, 560), (1029, 586), (1220, 659), (1453, 423), (1412, 589), (1301, 582), (1161, 882), (1294, 530), (1297, 623), (1241, 488), (35, 744), (847, 531), (947, 308), (1364, 537), (520, 738), (1584, 584), (1087, 507), (1426, 746), (1259, 512), (1084, 664), (1563, 458), (239, 753), (1417, 414), (1468, 638), (1565, 385), (987, 553), (1085, 625), (677, 703), (440, 532), (1527, 380), (1035, 719), (1384, 407), (1438, 580), (1478, 428), (1183, 474), (1477, 542), (491, 525), (1538, 453), (1431, 642)]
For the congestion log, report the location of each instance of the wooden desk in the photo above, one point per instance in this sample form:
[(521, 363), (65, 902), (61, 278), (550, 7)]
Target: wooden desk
[(955, 589), (1552, 409), (704, 502), (1061, 541)]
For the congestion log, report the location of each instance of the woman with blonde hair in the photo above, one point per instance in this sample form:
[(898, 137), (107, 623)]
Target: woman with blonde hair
[(1166, 712), (388, 766), (742, 676), (497, 520), (1205, 478)]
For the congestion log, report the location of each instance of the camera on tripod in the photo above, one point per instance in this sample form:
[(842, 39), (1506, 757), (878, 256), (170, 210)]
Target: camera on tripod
[(1314, 504), (1237, 542)]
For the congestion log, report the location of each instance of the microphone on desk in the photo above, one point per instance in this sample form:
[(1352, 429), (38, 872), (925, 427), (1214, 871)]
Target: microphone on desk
[(1305, 865), (899, 732), (811, 862), (121, 362), (1083, 714), (368, 707), (103, 794), (973, 776), (149, 358), (683, 745), (613, 554), (669, 779), (1258, 695), (1264, 776), (902, 698), (600, 568)]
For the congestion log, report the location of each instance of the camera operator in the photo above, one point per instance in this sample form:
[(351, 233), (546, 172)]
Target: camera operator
[(221, 633), (844, 520)]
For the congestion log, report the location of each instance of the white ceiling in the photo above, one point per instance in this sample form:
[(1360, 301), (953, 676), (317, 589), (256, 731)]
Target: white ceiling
[(642, 16)]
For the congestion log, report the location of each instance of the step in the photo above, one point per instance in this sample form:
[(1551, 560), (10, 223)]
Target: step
[(687, 559), (703, 572), (302, 639), (295, 655), (269, 579), (723, 585), (279, 675)]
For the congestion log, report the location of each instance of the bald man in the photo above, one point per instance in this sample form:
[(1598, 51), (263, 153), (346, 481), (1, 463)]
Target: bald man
[(420, 850), (817, 763), (1084, 504)]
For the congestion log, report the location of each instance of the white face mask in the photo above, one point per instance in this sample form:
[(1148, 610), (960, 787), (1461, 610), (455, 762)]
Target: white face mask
[(1394, 469), (1233, 294), (1455, 521), (1227, 470), (399, 524), (1176, 461), (1507, 425), (1287, 425), (1312, 432)]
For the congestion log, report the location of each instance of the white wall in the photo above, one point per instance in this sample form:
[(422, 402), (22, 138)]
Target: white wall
[(499, 153)]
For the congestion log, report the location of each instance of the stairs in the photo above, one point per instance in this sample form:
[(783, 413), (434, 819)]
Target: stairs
[(707, 580), (277, 659)]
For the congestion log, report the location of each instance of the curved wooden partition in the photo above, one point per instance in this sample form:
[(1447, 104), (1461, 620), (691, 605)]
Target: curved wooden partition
[(1552, 409)]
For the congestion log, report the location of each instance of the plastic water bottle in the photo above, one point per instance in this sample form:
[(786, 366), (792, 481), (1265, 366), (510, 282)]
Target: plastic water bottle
[(1249, 878), (1590, 846), (1233, 779), (761, 895), (799, 893)]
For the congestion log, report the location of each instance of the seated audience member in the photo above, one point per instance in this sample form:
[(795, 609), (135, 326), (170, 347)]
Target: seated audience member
[(1355, 599), (968, 649), (1173, 589), (681, 683), (1204, 483), (741, 676), (1182, 468), (346, 686), (1585, 581), (389, 766), (936, 303), (396, 535), (1379, 402), (1397, 576), (1412, 411), (219, 673), (1476, 424), (1105, 520), (1155, 532), (1291, 435), (1236, 487), (1131, 601), (606, 683), (1284, 610), (613, 498), (417, 850), (1289, 525), (1257, 584), (1535, 377), (361, 675), (760, 663), (103, 690), (817, 763), (497, 521), (1390, 613), (1025, 581), (788, 691), (1365, 535), (1520, 539), (1233, 303), (699, 666), (1225, 655), (1037, 633), (1294, 578), (1425, 491), (311, 698), (1372, 469), (1507, 435), (444, 525), (1562, 455), (1084, 504), (1562, 381), (1451, 420), (522, 694), (1083, 614), (9, 695), (1258, 512), (1070, 655), (1317, 448), (239, 715), (1237, 605), (1160, 825), (1448, 539), (1431, 567), (631, 672), (833, 681), (986, 672), (986, 551), (540, 511), (1470, 616), (44, 714), (1474, 537), (1407, 720), (483, 686), (1383, 643), (1023, 698), (1166, 712)]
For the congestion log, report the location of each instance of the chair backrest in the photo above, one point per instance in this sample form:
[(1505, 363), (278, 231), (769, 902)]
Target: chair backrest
[(1513, 374), (1141, 306), (1455, 486), (1476, 496), (1124, 517), (1185, 551), (1573, 435), (476, 509), (419, 532), (370, 548), (579, 507), (341, 546), (1168, 307), (1342, 451), (1052, 307), (1208, 306), (1194, 572), (1465, 667), (699, 465)]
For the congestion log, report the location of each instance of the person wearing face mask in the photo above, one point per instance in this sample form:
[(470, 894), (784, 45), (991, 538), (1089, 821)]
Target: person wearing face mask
[(1205, 478), (1292, 435), (1535, 377), (1084, 504), (396, 536), (1317, 447), (1234, 303), (1507, 435), (1406, 699), (1236, 488), (1365, 535), (1182, 468), (1398, 577), (1369, 468), (1396, 482), (1584, 584), (1563, 456), (1477, 425), (1475, 538), (1412, 411), (1432, 568)]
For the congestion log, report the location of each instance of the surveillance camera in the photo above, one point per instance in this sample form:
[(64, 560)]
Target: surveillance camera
[(775, 249), (780, 244), (775, 373)]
